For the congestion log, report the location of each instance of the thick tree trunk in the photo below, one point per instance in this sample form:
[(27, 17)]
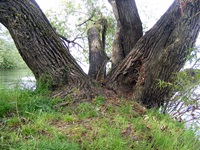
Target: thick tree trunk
[(160, 53), (129, 29), (156, 56), (45, 53), (39, 45), (37, 42)]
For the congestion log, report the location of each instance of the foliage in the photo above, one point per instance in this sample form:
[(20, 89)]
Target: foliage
[(9, 56), (33, 121), (185, 103)]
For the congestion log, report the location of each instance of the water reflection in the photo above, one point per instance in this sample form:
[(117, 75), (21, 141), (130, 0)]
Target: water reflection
[(21, 77), (28, 82)]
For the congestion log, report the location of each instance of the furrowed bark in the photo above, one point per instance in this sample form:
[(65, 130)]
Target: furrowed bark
[(156, 56), (160, 53), (45, 53), (39, 45), (129, 29)]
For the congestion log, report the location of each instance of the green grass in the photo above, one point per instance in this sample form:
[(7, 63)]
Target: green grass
[(30, 121)]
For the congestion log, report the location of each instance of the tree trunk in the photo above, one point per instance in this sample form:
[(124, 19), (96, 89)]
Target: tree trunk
[(39, 45), (155, 56), (160, 53), (45, 53), (43, 50), (97, 55), (129, 29)]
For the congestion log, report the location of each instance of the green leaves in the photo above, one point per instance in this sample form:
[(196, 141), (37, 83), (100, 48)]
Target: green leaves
[(9, 56), (163, 84)]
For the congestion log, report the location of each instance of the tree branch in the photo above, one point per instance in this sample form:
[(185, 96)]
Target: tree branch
[(89, 19)]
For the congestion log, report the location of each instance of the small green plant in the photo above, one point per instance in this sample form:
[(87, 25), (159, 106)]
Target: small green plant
[(99, 100), (163, 84)]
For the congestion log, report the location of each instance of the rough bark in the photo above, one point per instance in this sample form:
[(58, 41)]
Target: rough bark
[(97, 55), (45, 53), (156, 56), (39, 45), (160, 53), (129, 29)]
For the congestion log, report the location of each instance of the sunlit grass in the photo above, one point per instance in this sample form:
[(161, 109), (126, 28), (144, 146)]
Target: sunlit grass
[(29, 120)]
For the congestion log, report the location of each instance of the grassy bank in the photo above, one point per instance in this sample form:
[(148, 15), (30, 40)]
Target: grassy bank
[(29, 121)]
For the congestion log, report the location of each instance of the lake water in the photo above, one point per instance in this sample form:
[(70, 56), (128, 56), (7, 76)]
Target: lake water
[(18, 77)]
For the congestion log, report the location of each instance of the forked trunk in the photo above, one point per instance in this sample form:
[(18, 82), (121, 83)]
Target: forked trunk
[(140, 61), (158, 55)]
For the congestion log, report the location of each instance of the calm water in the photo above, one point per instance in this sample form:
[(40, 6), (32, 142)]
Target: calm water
[(17, 77)]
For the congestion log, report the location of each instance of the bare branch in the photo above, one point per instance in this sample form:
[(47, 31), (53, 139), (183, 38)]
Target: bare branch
[(89, 19), (68, 41), (196, 63)]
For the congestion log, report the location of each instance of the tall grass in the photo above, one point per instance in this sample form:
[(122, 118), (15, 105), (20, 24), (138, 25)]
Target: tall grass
[(32, 120)]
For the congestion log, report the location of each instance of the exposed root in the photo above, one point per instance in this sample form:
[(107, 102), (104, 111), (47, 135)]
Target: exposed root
[(85, 93)]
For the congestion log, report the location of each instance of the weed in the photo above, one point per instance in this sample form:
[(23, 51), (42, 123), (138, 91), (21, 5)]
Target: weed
[(99, 100), (86, 110)]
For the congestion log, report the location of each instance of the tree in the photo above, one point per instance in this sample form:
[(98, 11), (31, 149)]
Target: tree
[(139, 61)]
